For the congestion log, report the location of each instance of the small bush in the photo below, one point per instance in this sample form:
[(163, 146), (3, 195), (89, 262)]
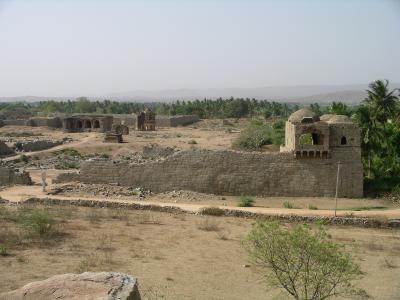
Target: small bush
[(39, 223), (23, 158), (212, 211), (3, 250), (312, 207), (208, 224), (302, 261), (104, 155), (147, 217), (245, 201), (257, 134), (192, 142), (71, 152), (288, 204), (71, 165)]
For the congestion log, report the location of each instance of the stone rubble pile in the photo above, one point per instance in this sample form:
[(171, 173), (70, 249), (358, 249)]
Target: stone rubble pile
[(100, 190), (152, 152)]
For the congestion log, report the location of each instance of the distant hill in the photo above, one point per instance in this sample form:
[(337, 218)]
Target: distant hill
[(299, 94)]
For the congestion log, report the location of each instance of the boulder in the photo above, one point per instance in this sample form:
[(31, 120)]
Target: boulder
[(88, 286)]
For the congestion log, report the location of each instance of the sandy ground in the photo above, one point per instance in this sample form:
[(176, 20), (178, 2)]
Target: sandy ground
[(170, 255), (175, 259)]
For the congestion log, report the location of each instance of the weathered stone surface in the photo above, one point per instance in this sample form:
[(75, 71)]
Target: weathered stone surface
[(88, 286), (4, 149), (10, 176), (232, 172), (37, 145)]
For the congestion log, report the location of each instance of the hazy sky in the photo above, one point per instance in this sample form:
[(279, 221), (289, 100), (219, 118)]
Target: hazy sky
[(84, 47)]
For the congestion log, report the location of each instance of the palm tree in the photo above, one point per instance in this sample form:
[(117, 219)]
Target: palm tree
[(371, 133), (382, 100)]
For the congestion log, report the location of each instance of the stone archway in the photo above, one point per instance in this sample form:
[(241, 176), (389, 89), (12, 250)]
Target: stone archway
[(96, 124), (88, 124), (79, 124)]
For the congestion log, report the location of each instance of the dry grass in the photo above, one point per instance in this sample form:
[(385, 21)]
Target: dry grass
[(208, 224), (187, 257)]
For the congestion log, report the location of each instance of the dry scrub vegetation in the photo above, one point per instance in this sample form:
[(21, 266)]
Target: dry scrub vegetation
[(174, 256)]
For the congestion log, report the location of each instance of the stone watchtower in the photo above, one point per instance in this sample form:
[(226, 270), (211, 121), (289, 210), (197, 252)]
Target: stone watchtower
[(310, 136), (320, 144), (146, 120)]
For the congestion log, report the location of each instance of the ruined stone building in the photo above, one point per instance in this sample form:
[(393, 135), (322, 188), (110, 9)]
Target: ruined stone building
[(146, 120), (79, 123), (306, 166), (308, 136)]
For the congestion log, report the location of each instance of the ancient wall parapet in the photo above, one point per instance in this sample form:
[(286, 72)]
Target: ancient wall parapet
[(10, 176), (235, 173)]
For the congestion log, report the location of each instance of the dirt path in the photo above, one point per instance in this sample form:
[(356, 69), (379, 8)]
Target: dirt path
[(21, 193), (81, 142)]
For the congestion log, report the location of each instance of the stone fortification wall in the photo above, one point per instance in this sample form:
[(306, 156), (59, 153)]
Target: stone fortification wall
[(38, 145), (9, 176), (125, 119), (231, 172), (15, 122), (45, 121), (174, 121)]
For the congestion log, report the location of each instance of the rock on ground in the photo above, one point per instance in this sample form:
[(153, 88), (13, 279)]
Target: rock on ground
[(88, 286)]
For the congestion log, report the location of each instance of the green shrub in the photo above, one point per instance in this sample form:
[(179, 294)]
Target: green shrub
[(38, 223), (212, 211), (312, 207), (245, 201), (257, 133), (3, 250), (71, 152), (23, 158), (288, 204), (104, 155), (303, 262), (71, 165)]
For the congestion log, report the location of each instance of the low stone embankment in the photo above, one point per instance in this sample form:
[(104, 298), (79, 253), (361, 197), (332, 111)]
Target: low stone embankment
[(328, 220)]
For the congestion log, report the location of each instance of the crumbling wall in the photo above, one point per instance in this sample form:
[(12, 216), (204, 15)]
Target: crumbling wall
[(174, 121), (236, 173), (45, 121), (29, 146), (4, 149), (15, 122), (10, 176)]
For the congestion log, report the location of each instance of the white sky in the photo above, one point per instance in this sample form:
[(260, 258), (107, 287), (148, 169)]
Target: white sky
[(66, 48)]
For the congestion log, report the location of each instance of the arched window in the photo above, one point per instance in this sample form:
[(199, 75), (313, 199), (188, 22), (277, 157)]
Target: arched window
[(306, 139), (343, 140), (96, 124), (88, 124)]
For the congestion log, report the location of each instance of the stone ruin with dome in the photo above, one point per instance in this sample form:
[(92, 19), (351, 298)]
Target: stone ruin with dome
[(306, 166)]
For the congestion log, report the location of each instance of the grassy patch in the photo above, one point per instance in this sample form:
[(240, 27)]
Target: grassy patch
[(212, 211), (365, 208), (288, 204), (245, 201), (71, 152), (208, 224), (312, 207), (71, 165)]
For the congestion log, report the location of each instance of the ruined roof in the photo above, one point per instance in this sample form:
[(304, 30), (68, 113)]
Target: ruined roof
[(326, 117), (298, 116), (339, 119), (330, 118)]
